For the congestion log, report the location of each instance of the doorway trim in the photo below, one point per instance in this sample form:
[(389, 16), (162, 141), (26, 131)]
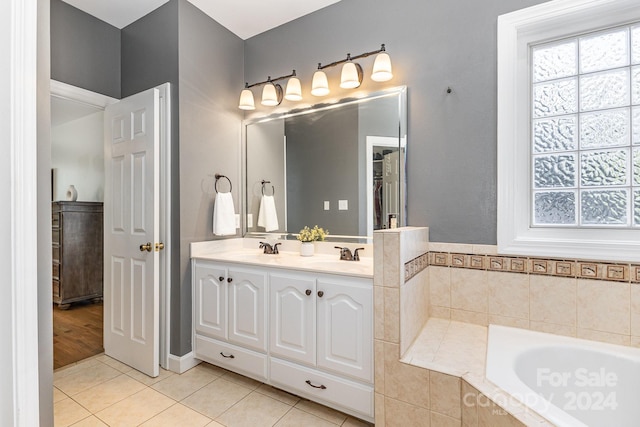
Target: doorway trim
[(93, 99)]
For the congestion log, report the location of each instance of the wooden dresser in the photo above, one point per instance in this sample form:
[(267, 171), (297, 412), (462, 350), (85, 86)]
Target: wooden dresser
[(77, 238)]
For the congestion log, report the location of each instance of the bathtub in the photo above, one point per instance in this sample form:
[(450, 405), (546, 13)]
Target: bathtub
[(569, 381)]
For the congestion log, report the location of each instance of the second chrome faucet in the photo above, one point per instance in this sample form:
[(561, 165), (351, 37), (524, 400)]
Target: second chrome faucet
[(268, 249), (346, 255)]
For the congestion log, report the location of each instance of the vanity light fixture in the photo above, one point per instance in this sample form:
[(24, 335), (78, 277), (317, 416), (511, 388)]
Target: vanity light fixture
[(351, 76), (271, 92)]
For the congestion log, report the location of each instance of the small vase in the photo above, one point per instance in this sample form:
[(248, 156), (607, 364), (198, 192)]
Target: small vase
[(72, 194), (306, 249)]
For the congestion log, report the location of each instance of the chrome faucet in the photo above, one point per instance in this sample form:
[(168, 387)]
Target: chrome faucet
[(346, 255), (268, 249)]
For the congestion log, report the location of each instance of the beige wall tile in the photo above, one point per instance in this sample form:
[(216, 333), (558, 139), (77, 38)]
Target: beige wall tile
[(443, 420), (635, 341), (445, 394), (378, 361), (551, 328), (470, 317), (378, 315), (553, 299), (508, 294), (378, 259), (635, 309), (392, 314), (401, 414), (405, 382), (414, 308), (440, 286), (607, 337), (451, 247), (485, 249), (491, 415), (379, 410), (414, 241), (508, 321), (392, 268), (468, 405), (440, 312), (469, 290), (604, 306)]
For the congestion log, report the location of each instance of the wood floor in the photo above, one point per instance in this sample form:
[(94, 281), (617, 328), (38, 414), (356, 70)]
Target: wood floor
[(77, 333)]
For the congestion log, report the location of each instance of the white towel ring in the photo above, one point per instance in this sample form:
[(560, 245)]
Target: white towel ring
[(218, 176), (273, 189)]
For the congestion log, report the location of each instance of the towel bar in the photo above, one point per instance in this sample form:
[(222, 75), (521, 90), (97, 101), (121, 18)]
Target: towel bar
[(273, 189), (218, 176)]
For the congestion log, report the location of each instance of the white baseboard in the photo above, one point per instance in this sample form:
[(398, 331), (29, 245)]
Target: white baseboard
[(180, 364)]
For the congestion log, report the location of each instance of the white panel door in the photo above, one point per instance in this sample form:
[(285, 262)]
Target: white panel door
[(345, 327), (131, 219), (247, 308), (292, 311), (210, 299)]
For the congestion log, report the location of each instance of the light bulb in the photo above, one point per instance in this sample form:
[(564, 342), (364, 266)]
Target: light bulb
[(271, 95)]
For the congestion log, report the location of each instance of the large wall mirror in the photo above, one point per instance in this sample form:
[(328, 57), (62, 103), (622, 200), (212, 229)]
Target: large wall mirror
[(339, 166)]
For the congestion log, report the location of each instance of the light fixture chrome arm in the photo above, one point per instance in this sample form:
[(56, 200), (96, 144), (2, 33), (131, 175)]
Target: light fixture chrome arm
[(269, 80), (350, 58)]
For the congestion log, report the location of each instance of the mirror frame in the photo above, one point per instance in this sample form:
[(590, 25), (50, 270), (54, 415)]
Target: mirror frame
[(400, 91)]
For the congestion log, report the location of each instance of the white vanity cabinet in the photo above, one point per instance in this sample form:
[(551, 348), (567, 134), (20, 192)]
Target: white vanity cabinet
[(230, 317), (306, 332), (321, 338)]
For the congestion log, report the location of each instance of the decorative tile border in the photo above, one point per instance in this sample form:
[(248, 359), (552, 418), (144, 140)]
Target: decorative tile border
[(549, 267)]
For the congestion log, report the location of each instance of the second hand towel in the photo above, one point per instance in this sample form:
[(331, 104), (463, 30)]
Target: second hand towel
[(267, 216)]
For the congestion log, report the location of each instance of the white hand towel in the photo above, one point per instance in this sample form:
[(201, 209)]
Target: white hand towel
[(224, 215), (267, 216)]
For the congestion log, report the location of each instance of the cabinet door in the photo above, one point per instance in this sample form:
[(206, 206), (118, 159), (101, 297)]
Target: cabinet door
[(210, 299), (292, 317), (247, 308), (345, 327)]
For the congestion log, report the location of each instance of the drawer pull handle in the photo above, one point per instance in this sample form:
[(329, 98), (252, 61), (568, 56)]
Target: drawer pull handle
[(221, 278), (308, 292), (321, 386), (320, 294), (231, 356)]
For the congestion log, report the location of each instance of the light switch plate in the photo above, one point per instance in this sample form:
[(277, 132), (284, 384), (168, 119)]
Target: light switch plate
[(326, 205), (343, 205), (249, 220)]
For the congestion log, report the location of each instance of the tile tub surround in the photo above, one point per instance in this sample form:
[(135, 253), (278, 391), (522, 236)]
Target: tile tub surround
[(586, 299)]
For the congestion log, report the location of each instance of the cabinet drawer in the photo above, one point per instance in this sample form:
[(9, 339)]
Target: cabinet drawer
[(55, 220), (55, 235), (56, 271), (337, 392), (55, 252), (242, 361)]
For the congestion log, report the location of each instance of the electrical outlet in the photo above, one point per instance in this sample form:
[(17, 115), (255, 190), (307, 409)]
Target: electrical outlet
[(326, 205), (249, 220), (343, 205)]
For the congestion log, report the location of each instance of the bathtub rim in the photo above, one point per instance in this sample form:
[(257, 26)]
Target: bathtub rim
[(505, 343)]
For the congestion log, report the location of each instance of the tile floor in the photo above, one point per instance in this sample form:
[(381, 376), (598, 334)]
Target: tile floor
[(101, 391)]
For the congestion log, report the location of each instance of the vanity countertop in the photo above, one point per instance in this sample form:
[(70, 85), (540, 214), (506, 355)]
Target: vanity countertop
[(291, 260)]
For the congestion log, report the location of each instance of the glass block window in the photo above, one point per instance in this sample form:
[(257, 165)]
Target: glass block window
[(585, 130)]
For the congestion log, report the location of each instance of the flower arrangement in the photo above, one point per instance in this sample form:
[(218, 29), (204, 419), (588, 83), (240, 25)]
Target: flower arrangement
[(312, 234)]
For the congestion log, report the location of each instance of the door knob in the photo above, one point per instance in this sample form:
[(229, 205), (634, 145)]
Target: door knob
[(146, 247), (159, 246)]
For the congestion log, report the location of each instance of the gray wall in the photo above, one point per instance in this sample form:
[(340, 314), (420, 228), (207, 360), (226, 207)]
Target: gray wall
[(85, 51), (265, 161), (321, 165), (149, 59), (211, 65), (433, 44)]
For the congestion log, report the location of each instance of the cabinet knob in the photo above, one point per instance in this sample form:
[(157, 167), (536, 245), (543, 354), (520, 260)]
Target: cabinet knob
[(308, 292), (320, 294), (229, 280), (221, 278)]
